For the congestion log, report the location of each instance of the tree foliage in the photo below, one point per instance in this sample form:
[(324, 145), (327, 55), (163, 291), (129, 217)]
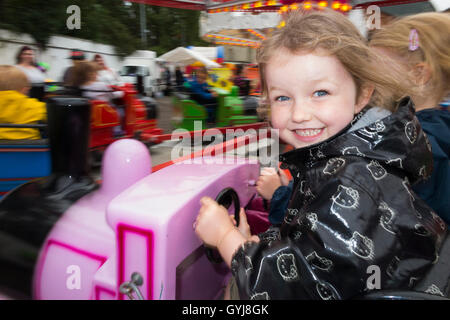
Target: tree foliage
[(113, 22)]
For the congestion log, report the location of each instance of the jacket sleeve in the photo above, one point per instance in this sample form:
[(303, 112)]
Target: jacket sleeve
[(279, 203), (197, 89)]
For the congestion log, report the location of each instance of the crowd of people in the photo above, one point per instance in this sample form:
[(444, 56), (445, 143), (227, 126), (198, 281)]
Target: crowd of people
[(94, 79), (22, 86)]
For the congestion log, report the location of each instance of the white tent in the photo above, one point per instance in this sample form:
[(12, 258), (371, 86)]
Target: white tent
[(184, 57)]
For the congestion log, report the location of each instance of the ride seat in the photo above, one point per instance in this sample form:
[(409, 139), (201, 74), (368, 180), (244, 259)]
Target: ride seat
[(233, 110), (187, 110), (103, 115)]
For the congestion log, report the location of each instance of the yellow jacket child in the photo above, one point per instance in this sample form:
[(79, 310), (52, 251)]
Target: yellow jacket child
[(16, 107)]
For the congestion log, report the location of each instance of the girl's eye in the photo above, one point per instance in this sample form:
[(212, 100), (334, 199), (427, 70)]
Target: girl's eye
[(281, 98), (320, 93)]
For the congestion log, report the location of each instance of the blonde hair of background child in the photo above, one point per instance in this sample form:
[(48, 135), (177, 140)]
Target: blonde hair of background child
[(433, 29), (333, 33), (82, 72), (12, 78)]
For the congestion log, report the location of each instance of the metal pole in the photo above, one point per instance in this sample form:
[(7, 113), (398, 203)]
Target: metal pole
[(143, 24)]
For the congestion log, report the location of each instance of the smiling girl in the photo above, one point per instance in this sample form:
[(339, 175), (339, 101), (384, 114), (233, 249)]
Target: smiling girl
[(358, 147)]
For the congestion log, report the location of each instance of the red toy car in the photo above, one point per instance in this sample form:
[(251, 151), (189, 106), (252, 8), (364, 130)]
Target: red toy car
[(140, 117)]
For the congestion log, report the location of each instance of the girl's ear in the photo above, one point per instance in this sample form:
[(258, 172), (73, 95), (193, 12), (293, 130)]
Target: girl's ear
[(421, 74), (364, 97)]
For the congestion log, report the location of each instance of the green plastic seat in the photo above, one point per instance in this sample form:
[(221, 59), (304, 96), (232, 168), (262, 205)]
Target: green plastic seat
[(232, 112)]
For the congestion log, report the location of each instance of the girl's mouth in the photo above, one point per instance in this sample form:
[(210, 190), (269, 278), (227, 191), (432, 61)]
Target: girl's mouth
[(308, 135)]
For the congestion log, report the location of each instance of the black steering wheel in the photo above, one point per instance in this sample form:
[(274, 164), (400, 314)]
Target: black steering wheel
[(225, 198)]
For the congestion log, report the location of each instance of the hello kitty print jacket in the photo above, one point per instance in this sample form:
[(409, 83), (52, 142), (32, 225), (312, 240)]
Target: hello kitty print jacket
[(352, 216)]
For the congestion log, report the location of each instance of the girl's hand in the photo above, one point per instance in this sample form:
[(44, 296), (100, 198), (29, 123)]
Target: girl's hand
[(267, 183), (243, 227), (213, 222), (284, 179)]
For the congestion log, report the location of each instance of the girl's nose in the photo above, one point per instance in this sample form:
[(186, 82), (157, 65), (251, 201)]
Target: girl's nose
[(301, 112)]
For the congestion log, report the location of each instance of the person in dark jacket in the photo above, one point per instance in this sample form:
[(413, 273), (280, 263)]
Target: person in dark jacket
[(436, 189), (240, 81), (352, 209), (179, 77), (202, 93), (427, 63), (76, 56)]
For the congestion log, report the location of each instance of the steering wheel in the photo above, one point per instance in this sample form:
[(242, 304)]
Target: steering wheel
[(224, 198)]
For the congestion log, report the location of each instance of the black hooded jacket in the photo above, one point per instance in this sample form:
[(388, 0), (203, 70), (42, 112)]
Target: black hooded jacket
[(436, 190), (353, 222)]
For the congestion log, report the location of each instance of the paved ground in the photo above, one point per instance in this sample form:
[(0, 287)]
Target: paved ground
[(165, 109), (161, 153)]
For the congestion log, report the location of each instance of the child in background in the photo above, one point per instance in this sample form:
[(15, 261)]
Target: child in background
[(202, 93), (421, 46), (84, 76), (358, 149), (16, 107)]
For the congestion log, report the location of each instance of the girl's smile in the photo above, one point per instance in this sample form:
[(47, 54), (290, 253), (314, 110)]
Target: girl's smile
[(308, 135)]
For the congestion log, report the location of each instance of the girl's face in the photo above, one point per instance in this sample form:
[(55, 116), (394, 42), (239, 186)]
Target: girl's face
[(27, 56), (312, 97), (201, 76), (100, 61)]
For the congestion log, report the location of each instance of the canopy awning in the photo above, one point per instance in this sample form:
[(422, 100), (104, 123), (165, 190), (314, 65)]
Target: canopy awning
[(184, 57)]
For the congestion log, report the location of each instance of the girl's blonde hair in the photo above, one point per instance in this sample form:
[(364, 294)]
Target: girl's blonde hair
[(82, 72), (333, 33), (12, 78), (433, 29)]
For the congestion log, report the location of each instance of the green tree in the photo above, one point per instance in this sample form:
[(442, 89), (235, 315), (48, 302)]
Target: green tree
[(40, 19), (112, 22), (171, 28)]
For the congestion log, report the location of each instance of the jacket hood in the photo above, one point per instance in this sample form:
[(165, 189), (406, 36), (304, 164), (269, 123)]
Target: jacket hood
[(396, 141)]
